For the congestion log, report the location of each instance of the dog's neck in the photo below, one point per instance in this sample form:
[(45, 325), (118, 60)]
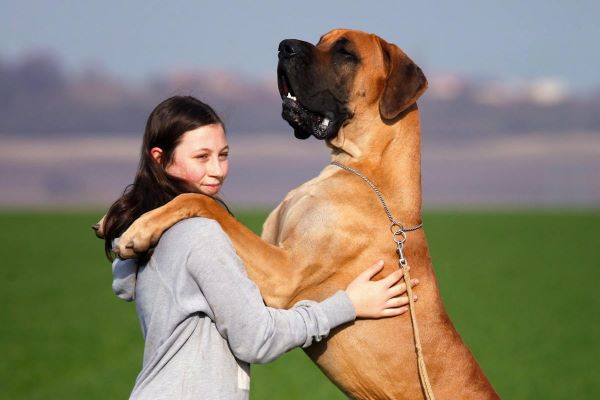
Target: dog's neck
[(388, 153)]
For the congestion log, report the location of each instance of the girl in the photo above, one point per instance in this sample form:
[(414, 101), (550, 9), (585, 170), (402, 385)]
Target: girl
[(202, 319)]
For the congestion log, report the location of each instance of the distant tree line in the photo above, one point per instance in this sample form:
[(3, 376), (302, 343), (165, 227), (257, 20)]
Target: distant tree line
[(38, 96)]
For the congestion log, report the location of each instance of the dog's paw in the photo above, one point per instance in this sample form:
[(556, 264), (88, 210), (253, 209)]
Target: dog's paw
[(137, 239), (99, 228), (125, 251)]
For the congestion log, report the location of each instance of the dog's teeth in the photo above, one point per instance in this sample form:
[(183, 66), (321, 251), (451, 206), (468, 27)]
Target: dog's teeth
[(289, 96), (325, 123)]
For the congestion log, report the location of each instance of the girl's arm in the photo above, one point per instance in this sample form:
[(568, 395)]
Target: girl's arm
[(257, 333)]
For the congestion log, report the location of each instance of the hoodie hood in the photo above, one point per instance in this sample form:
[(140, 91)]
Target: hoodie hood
[(124, 274), (124, 278)]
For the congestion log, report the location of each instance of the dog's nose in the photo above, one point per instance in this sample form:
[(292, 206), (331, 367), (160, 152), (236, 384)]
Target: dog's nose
[(289, 48)]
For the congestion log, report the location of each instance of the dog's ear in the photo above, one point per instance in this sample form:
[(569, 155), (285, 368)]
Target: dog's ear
[(404, 84)]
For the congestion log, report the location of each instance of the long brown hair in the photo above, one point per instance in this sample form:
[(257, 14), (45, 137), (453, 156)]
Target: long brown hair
[(153, 186)]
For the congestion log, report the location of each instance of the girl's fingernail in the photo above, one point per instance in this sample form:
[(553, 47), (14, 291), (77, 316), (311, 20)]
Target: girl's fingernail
[(380, 263)]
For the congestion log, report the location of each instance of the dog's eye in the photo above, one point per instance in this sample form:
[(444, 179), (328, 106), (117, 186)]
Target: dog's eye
[(347, 54)]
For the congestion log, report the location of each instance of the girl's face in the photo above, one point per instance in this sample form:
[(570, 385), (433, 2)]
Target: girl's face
[(200, 158)]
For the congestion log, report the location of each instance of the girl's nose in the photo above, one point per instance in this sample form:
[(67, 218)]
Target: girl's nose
[(215, 169)]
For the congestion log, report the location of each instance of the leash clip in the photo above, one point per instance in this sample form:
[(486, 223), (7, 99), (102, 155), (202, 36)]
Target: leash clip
[(400, 249), (399, 237)]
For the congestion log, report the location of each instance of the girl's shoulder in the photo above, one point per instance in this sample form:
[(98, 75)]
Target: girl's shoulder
[(186, 240), (192, 230)]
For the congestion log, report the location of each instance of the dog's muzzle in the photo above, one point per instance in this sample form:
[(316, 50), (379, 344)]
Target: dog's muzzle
[(316, 120)]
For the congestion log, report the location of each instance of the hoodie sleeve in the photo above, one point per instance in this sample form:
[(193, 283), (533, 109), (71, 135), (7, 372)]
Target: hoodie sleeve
[(256, 333)]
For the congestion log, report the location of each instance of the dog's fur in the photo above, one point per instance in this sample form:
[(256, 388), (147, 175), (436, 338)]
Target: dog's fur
[(327, 230)]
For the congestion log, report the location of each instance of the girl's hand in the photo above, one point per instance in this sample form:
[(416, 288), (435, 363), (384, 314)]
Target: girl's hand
[(379, 299)]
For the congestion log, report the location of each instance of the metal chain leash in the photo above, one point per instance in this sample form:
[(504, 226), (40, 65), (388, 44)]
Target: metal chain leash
[(396, 227), (399, 236)]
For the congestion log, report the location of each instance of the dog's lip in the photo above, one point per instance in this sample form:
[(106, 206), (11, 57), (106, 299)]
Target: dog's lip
[(324, 127), (286, 92), (307, 121), (283, 83)]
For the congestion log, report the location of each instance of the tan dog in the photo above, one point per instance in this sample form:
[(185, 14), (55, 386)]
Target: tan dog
[(359, 93)]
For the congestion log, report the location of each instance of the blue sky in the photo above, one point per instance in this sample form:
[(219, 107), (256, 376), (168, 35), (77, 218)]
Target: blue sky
[(132, 39)]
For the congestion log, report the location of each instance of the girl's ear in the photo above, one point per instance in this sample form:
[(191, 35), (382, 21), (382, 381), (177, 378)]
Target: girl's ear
[(156, 153)]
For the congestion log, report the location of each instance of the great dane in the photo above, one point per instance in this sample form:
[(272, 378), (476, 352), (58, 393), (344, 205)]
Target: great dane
[(358, 93)]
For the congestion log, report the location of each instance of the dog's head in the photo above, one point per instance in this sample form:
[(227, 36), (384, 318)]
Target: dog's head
[(348, 71)]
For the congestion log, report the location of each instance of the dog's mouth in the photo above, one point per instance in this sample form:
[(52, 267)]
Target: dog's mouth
[(305, 122)]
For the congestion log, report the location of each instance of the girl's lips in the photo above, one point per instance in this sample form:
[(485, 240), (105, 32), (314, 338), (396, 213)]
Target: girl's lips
[(213, 187)]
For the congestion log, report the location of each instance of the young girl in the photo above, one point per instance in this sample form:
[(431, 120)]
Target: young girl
[(202, 319)]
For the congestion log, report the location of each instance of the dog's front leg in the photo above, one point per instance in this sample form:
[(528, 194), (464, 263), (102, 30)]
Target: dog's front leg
[(145, 231), (269, 266)]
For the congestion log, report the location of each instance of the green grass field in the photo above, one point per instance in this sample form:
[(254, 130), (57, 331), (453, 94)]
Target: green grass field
[(521, 288)]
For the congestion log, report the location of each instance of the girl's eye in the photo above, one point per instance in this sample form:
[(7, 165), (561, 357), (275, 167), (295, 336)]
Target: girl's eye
[(202, 156), (223, 156)]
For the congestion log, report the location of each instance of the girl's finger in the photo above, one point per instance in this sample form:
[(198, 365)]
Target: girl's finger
[(392, 278), (370, 272), (392, 312), (398, 301), (400, 288)]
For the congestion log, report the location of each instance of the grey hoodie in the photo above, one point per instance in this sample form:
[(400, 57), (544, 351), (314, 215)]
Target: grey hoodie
[(204, 321)]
